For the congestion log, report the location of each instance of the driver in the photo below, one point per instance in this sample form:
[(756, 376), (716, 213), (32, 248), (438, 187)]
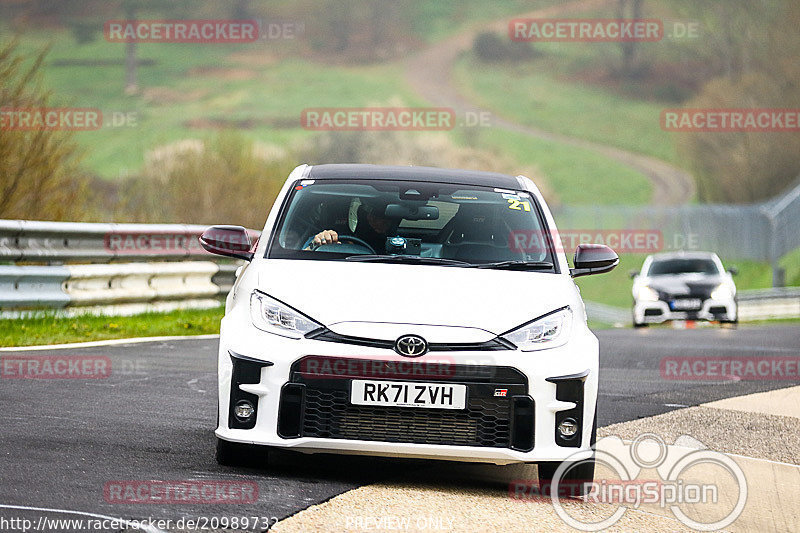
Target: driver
[(373, 226)]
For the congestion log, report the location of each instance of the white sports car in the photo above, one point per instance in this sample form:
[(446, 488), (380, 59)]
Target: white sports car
[(684, 286), (408, 312)]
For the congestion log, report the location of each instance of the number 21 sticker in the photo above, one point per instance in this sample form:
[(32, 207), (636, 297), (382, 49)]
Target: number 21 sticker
[(515, 204)]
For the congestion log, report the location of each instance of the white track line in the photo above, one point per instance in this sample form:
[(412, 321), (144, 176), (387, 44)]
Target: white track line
[(110, 342), (136, 525)]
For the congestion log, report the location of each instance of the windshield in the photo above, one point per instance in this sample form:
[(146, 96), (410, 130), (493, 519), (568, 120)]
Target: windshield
[(442, 223), (683, 266)]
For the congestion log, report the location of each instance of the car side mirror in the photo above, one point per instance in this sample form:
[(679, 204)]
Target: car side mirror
[(593, 259), (230, 241), (733, 271), (633, 273)]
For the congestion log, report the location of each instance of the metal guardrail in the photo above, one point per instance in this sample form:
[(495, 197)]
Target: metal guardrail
[(58, 242), (165, 263), (70, 286)]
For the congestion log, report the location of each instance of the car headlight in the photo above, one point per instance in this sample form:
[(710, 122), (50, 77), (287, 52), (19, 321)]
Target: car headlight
[(646, 294), (549, 331), (268, 314), (722, 292)]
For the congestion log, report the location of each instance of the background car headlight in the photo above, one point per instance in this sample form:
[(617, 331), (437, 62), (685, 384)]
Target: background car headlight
[(722, 292), (550, 331), (268, 314), (646, 294)]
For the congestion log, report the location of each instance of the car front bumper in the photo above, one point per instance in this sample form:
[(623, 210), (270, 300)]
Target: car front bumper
[(542, 388), (649, 312)]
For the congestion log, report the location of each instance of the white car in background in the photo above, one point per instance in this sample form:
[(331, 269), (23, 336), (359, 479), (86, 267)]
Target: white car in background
[(684, 286), (439, 338)]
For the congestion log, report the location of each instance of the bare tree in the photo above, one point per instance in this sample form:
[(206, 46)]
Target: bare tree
[(634, 7)]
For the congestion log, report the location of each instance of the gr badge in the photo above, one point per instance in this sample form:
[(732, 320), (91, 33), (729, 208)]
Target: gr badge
[(501, 392)]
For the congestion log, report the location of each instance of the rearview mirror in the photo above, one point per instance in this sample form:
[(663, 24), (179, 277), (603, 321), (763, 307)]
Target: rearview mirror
[(423, 212), (733, 271), (593, 259), (633, 273), (230, 241)]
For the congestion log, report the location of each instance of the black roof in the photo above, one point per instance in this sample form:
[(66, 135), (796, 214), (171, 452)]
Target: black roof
[(387, 172)]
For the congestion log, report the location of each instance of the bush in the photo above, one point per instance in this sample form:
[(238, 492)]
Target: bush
[(741, 167), (491, 48), (227, 180), (39, 174)]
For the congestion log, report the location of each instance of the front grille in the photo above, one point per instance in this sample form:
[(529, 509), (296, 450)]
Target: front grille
[(329, 415), (498, 343), (325, 410)]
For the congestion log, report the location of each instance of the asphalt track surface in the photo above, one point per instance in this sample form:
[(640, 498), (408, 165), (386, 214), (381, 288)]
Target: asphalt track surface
[(63, 440)]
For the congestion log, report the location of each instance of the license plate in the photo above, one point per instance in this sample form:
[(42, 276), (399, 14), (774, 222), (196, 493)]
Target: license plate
[(691, 303), (404, 394)]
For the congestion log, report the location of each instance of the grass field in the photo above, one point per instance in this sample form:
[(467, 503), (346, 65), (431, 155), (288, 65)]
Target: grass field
[(186, 94), (189, 95), (531, 94), (577, 176), (46, 328)]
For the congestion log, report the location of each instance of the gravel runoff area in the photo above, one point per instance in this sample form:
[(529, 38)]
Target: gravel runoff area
[(406, 507), (762, 436), (458, 497)]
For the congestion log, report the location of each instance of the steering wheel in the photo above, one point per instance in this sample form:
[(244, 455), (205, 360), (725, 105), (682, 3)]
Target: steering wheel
[(350, 238)]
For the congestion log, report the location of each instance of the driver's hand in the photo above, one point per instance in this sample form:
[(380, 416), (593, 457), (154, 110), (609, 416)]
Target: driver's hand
[(327, 236)]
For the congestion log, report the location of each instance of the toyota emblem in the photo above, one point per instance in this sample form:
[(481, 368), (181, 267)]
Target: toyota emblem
[(411, 346)]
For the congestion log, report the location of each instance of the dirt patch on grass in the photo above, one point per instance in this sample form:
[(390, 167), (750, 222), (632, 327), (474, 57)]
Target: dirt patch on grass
[(674, 82), (225, 73), (219, 123), (253, 58), (166, 96)]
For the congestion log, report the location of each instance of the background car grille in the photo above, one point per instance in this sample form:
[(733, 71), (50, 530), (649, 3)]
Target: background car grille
[(329, 414)]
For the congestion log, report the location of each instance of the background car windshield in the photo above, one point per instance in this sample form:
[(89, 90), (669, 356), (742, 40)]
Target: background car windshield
[(683, 266), (434, 220)]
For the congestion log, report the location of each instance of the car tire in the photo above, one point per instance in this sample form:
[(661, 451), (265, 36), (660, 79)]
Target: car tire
[(638, 325), (582, 471), (238, 454)]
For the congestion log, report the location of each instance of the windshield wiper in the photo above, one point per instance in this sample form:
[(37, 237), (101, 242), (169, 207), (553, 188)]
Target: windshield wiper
[(517, 264), (411, 259)]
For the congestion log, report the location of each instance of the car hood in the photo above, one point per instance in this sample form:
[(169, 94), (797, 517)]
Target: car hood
[(339, 292), (690, 283)]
